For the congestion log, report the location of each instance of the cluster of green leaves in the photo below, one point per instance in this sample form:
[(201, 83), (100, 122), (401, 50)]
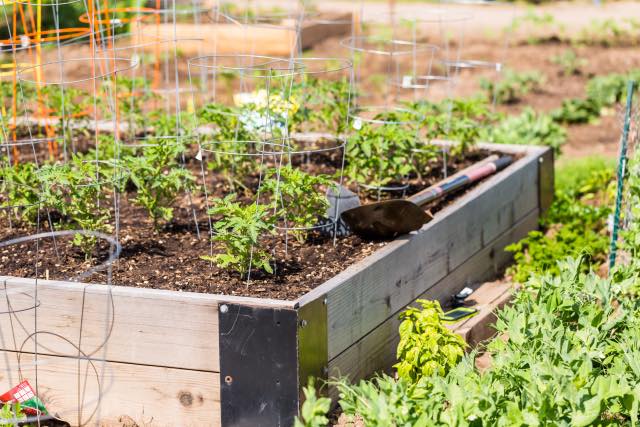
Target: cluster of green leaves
[(610, 89), (576, 222), (73, 193), (426, 347), (529, 128), (543, 25), (610, 32), (77, 192), (577, 110), (239, 229), (570, 62), (512, 86), (297, 197), (324, 104), (459, 120), (602, 92), (566, 355), (314, 409), (11, 415), (378, 154), (158, 177), (131, 94), (291, 194), (230, 147)]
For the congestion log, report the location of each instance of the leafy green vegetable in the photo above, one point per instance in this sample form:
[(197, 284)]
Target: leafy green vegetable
[(312, 413), (377, 154), (573, 224), (565, 355), (297, 196), (158, 177), (529, 128), (512, 85), (569, 61), (577, 110), (75, 191), (239, 230), (426, 346)]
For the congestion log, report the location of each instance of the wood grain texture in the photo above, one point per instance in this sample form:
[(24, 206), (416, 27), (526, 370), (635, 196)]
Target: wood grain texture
[(376, 350), (480, 328), (116, 394), (119, 324), (366, 294)]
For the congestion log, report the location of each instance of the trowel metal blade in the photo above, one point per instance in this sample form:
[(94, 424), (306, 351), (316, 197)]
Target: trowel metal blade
[(386, 219)]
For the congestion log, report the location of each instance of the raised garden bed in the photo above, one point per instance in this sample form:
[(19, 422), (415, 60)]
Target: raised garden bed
[(159, 357), (260, 38)]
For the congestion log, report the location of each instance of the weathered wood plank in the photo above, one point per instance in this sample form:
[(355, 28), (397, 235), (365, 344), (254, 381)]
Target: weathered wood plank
[(141, 326), (367, 293), (376, 350), (116, 394), (480, 327)]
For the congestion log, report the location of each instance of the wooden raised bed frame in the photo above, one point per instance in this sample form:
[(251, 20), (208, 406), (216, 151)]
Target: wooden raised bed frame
[(177, 358), (226, 38)]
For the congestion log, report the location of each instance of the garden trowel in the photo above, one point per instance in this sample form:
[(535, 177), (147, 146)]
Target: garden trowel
[(390, 218)]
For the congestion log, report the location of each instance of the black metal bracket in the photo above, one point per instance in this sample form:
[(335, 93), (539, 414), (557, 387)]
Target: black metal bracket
[(258, 366)]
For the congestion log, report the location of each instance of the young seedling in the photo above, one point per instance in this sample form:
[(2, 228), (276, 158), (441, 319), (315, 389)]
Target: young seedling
[(158, 177), (377, 155), (512, 86), (239, 230), (570, 63), (426, 346), (77, 192), (231, 146), (298, 197)]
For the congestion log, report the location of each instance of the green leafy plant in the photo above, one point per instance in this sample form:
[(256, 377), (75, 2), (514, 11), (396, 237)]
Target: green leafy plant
[(540, 27), (570, 62), (577, 110), (239, 230), (378, 155), (565, 355), (610, 32), (231, 146), (575, 223), (132, 94), (528, 128), (426, 346), (68, 104), (512, 86), (458, 120), (158, 178), (19, 183), (77, 191), (297, 196), (324, 105), (610, 89), (11, 415), (314, 409)]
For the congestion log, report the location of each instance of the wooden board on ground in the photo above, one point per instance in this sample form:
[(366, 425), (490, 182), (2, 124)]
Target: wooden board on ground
[(234, 38)]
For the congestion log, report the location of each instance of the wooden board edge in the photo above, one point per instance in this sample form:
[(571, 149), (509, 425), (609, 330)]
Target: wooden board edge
[(130, 291), (530, 160)]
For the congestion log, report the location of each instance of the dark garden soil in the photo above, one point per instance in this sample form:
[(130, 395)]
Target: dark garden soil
[(170, 258)]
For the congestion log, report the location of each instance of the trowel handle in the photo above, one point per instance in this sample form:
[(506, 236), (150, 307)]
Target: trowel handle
[(471, 174)]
